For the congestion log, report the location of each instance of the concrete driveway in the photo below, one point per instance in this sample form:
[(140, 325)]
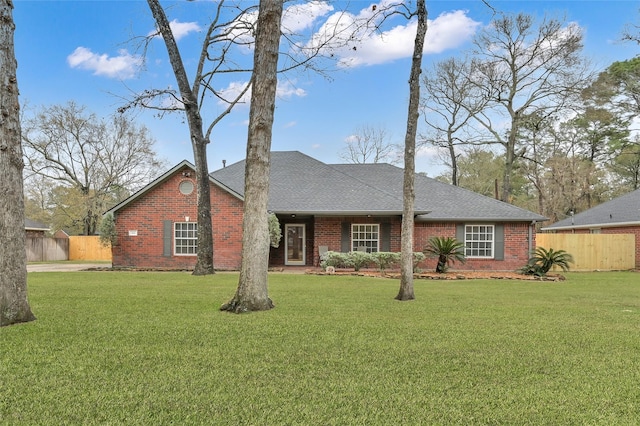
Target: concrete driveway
[(64, 266)]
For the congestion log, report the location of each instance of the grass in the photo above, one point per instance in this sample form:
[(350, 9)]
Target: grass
[(152, 348)]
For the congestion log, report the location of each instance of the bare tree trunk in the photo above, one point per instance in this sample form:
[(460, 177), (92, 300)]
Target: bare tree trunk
[(454, 160), (14, 307), (509, 162), (252, 293), (204, 264), (408, 192)]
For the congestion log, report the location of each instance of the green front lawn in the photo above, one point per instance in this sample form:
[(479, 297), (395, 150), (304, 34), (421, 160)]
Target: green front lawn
[(152, 348)]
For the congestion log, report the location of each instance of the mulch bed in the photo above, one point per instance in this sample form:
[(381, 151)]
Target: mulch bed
[(455, 275)]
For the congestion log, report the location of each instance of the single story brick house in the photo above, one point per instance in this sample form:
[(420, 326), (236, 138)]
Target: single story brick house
[(336, 207), (618, 216)]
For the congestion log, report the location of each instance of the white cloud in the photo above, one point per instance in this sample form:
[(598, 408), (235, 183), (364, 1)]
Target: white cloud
[(123, 66), (182, 29), (428, 151), (295, 19), (288, 90), (302, 16), (285, 90), (179, 29), (447, 31), (351, 139), (233, 90)]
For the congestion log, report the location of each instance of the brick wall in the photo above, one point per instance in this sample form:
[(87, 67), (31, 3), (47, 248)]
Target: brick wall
[(328, 231), (516, 246), (140, 227)]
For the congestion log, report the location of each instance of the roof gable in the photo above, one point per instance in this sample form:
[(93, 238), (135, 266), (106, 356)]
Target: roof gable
[(162, 178)]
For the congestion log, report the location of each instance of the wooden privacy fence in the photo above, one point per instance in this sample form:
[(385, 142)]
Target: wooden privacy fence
[(42, 249), (88, 248), (604, 252)]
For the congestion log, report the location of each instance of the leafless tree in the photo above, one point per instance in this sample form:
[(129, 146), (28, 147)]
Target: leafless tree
[(14, 306), (369, 144), (631, 32), (449, 103), (98, 161), (252, 292), (523, 68), (406, 291)]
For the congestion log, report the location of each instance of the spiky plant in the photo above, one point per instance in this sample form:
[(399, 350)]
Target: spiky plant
[(448, 250), (543, 260)]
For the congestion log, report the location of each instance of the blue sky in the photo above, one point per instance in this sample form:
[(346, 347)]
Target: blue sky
[(86, 51)]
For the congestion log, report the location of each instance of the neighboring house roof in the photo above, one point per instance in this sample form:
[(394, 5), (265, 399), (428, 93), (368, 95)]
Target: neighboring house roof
[(32, 225), (300, 184), (621, 211)]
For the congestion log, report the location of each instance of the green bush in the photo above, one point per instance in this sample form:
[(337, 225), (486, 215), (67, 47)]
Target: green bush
[(417, 258), (335, 259), (448, 250), (542, 260), (385, 260), (108, 234), (275, 233), (358, 259)]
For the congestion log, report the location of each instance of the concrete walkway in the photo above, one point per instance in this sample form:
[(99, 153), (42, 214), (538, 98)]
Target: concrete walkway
[(64, 266)]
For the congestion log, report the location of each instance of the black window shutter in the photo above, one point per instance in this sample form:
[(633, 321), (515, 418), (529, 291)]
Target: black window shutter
[(167, 236), (460, 232), (385, 236), (498, 249), (345, 246)]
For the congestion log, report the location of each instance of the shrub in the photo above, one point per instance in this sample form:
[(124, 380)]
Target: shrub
[(543, 260), (358, 259), (384, 260), (417, 258), (108, 234), (335, 259), (447, 250), (275, 233)]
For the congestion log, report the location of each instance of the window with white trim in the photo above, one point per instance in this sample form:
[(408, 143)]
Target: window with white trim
[(185, 238), (479, 240), (365, 237)]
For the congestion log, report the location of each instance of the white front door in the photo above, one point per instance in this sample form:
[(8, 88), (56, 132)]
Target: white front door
[(294, 246)]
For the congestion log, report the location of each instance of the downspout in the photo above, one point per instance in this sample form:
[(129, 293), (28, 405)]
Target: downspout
[(531, 228)]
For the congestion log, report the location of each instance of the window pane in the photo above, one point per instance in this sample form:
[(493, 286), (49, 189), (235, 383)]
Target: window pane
[(186, 238), (479, 240), (365, 237)]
